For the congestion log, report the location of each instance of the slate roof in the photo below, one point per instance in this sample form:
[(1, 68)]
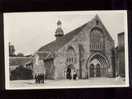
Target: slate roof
[(56, 44), (13, 61)]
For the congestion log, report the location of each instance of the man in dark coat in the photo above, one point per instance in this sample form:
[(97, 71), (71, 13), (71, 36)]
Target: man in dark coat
[(68, 73), (36, 78)]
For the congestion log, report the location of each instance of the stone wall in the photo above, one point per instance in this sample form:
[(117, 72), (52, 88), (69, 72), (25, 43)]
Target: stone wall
[(60, 60), (83, 39)]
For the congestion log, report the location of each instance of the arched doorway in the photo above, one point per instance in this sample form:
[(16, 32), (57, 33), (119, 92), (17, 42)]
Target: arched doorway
[(97, 65), (98, 70), (91, 70), (70, 61)]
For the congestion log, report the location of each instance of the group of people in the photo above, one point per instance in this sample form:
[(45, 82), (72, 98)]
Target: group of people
[(71, 74), (39, 78)]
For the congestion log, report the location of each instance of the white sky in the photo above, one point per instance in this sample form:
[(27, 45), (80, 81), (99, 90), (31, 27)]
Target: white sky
[(28, 31)]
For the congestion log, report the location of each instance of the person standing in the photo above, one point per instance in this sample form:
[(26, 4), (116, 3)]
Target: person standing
[(68, 73), (74, 75), (42, 78), (36, 78)]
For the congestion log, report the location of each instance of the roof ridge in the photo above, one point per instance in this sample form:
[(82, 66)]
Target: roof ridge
[(66, 38), (76, 28)]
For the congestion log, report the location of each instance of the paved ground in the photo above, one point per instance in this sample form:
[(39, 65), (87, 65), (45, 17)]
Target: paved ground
[(68, 83)]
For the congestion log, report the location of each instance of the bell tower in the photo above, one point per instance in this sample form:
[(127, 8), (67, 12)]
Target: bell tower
[(59, 32)]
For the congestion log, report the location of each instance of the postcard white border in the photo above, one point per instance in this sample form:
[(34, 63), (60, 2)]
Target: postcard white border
[(7, 80)]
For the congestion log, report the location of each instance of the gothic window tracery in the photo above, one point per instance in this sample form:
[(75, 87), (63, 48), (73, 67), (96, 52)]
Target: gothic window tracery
[(71, 58), (96, 39)]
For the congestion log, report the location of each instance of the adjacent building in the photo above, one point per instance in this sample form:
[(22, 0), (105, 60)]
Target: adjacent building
[(120, 56)]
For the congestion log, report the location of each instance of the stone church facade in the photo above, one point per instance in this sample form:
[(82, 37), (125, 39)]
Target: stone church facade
[(89, 49)]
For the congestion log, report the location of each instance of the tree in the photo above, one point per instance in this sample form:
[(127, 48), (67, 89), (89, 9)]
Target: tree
[(20, 54), (21, 73)]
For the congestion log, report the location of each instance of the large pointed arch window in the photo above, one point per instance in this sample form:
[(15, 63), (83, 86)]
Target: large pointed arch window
[(71, 56), (96, 39)]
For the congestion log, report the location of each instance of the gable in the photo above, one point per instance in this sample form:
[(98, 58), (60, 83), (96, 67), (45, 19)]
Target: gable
[(57, 44), (103, 27)]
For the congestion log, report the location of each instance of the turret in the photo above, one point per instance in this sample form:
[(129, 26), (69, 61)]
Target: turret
[(59, 32)]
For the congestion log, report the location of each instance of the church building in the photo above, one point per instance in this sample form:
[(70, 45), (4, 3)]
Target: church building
[(88, 49)]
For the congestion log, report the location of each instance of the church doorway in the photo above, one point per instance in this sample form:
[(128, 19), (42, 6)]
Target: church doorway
[(98, 70), (91, 70), (97, 66), (95, 70)]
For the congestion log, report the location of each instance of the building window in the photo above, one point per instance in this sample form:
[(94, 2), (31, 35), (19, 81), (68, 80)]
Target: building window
[(96, 39), (71, 57)]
